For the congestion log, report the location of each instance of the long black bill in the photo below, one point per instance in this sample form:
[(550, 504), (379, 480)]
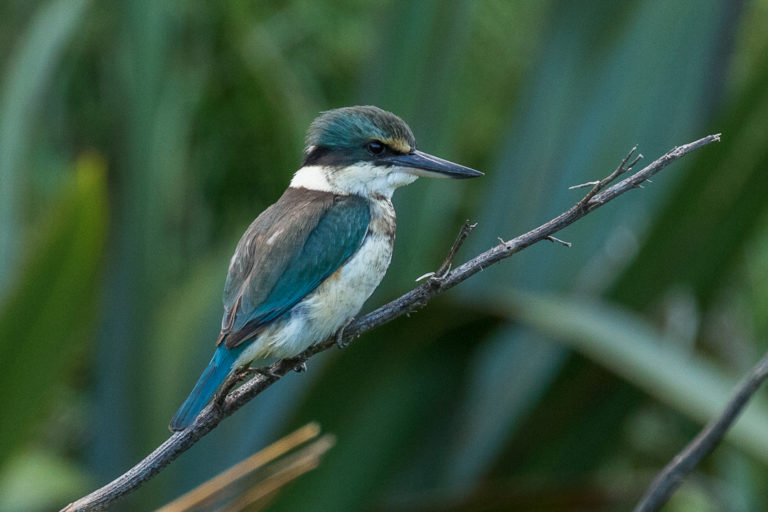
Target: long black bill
[(423, 164)]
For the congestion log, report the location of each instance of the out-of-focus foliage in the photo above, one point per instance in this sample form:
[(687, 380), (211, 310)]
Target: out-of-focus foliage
[(138, 139), (45, 319)]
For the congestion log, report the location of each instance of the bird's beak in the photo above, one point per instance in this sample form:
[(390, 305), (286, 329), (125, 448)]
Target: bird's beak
[(423, 164)]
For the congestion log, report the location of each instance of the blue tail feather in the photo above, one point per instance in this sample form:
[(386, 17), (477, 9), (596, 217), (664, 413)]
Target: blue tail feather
[(213, 376)]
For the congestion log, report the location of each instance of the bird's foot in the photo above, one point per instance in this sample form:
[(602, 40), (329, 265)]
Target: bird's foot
[(233, 380), (242, 372), (340, 335), (301, 367)]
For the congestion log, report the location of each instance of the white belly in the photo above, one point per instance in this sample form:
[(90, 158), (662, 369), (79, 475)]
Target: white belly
[(339, 298)]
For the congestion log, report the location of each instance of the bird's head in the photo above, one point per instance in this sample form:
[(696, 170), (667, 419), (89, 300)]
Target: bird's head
[(367, 151)]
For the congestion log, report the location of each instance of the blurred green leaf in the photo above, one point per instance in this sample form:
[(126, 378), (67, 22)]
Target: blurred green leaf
[(498, 400), (45, 320), (36, 480), (28, 73), (632, 349)]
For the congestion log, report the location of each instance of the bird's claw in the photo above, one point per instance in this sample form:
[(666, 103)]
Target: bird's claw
[(340, 340), (340, 336), (301, 367)]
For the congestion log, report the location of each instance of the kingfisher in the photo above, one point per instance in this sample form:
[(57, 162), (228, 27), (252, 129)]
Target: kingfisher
[(303, 269)]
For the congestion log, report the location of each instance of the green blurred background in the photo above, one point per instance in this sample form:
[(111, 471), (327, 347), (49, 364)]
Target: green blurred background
[(138, 140)]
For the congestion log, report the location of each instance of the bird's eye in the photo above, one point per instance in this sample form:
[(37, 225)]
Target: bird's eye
[(375, 147)]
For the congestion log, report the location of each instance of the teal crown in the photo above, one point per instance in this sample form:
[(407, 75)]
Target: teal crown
[(349, 127)]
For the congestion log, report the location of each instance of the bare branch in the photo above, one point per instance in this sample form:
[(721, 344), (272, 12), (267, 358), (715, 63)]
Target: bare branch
[(670, 478), (641, 176), (220, 408)]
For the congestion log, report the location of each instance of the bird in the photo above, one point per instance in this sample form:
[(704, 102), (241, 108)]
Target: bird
[(305, 266)]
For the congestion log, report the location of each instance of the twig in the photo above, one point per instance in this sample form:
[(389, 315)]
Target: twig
[(215, 412), (466, 229), (557, 240), (670, 478), (584, 185)]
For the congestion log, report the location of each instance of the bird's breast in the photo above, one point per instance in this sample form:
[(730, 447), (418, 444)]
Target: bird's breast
[(341, 296)]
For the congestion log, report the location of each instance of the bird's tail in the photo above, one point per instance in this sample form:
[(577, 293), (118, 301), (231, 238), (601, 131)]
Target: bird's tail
[(213, 376)]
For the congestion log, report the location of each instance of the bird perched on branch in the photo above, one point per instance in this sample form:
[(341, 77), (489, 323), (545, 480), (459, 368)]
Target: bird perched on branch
[(306, 265)]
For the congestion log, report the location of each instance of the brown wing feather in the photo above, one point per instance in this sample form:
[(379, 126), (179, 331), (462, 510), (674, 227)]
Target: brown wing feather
[(264, 251)]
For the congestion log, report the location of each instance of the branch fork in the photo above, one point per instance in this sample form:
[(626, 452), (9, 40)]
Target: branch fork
[(597, 186)]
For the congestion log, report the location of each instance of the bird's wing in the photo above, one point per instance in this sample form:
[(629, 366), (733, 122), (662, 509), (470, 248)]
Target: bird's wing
[(290, 249)]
